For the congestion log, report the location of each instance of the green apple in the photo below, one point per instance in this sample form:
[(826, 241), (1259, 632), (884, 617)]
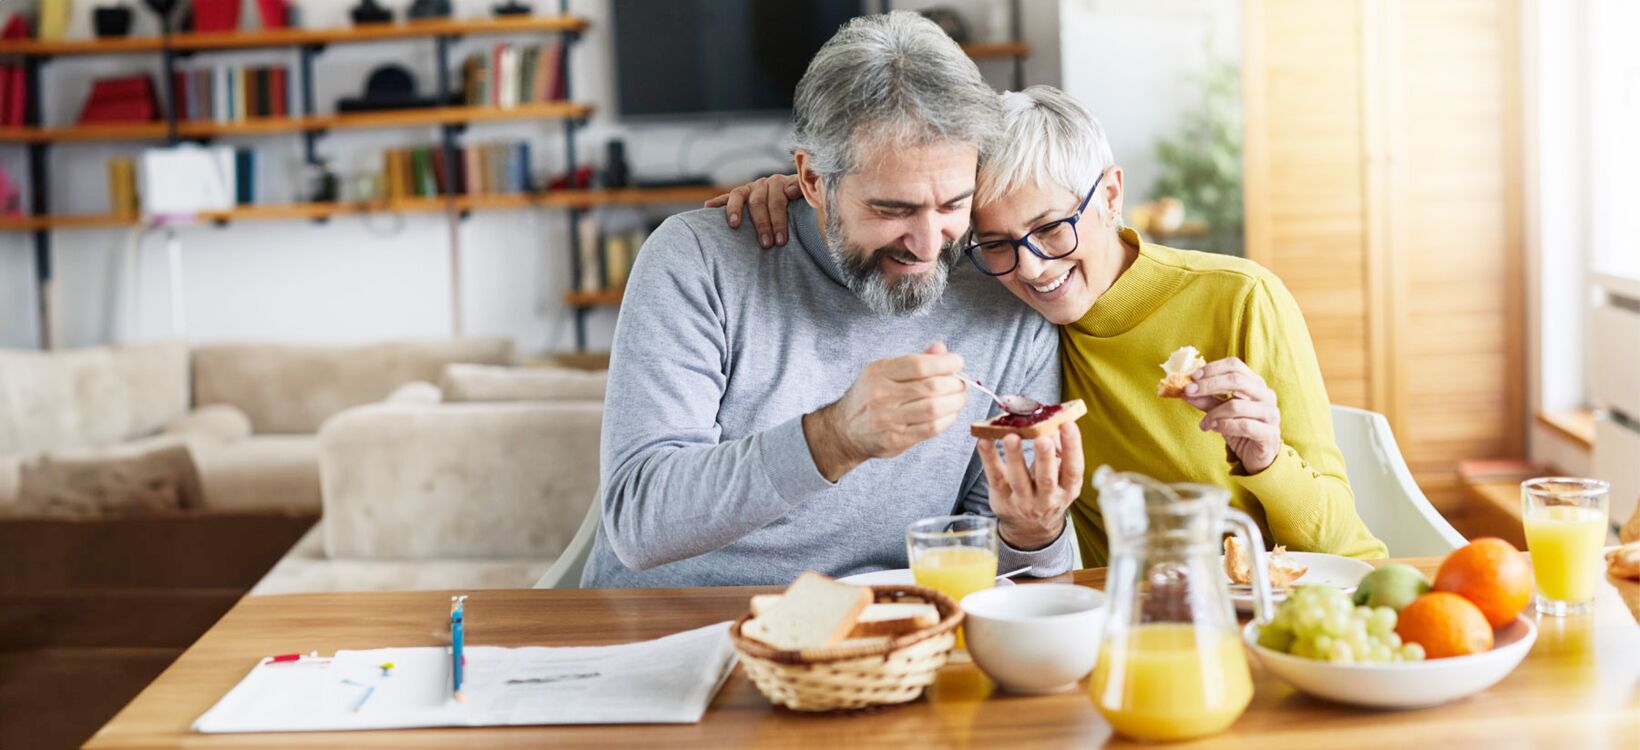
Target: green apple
[(1393, 586)]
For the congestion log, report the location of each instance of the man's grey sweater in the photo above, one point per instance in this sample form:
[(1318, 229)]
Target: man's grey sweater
[(720, 350)]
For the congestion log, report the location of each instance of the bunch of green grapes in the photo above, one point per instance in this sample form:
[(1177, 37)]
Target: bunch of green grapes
[(1321, 622)]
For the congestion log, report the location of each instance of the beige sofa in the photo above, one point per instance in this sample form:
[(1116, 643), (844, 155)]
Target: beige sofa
[(478, 482), (156, 427)]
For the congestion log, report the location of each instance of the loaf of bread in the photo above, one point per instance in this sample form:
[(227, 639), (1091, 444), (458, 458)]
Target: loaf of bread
[(892, 619), (1045, 422), (814, 612)]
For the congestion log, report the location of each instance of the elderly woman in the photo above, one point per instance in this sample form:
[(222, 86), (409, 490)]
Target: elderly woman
[(1047, 224)]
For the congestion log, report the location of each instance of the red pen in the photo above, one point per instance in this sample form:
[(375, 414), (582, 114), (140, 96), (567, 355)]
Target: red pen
[(285, 657)]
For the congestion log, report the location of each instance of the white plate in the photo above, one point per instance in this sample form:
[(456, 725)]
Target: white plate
[(897, 577), (1405, 684), (1324, 570)]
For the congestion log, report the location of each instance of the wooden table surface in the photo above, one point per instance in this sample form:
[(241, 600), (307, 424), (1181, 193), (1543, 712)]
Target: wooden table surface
[(1579, 687)]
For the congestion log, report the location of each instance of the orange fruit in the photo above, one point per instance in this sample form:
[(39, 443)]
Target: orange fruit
[(1445, 624), (1491, 573)]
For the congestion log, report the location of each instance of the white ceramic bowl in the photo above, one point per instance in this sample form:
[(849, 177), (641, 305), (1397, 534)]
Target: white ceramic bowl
[(1404, 684), (1039, 638)]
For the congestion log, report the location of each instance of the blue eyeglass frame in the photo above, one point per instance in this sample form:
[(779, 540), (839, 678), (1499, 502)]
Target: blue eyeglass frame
[(1026, 242)]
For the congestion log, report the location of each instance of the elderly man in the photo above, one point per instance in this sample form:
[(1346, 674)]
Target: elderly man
[(775, 412)]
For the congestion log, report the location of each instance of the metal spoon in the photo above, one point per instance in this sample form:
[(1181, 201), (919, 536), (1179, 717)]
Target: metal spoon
[(1012, 573), (1013, 403)]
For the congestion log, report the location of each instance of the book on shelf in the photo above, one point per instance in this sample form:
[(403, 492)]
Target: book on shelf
[(591, 260), (507, 76), (230, 93), (122, 186), (189, 179), (479, 169), (122, 99)]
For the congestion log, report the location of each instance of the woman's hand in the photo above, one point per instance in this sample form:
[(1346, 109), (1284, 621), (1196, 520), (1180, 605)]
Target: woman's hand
[(1240, 407), (765, 199), (1030, 501)]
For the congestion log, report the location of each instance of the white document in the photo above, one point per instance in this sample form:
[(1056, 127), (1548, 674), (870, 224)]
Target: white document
[(187, 179), (669, 680)]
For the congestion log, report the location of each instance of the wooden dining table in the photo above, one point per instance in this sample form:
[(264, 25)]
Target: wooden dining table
[(1578, 688)]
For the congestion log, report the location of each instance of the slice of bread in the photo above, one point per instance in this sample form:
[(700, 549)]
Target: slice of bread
[(877, 619), (815, 612), (1069, 411)]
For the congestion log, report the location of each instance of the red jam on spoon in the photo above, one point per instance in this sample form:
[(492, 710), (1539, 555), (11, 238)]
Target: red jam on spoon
[(1026, 420)]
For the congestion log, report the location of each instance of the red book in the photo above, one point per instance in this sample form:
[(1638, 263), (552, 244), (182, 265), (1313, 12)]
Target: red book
[(17, 108), (277, 88), (441, 175), (16, 28), (5, 98), (495, 74), (120, 88), (179, 95), (123, 110), (274, 13), (216, 15)]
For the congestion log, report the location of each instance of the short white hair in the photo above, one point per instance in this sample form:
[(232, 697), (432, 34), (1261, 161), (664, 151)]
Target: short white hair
[(1048, 139)]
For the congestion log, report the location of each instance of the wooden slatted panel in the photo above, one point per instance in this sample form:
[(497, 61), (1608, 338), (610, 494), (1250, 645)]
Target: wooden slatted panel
[(1306, 216), (1454, 236)]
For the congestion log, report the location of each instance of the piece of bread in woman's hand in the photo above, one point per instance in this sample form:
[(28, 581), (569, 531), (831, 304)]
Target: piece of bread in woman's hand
[(1044, 422), (1179, 367)]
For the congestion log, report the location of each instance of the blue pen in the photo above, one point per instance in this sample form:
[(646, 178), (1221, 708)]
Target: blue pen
[(456, 603)]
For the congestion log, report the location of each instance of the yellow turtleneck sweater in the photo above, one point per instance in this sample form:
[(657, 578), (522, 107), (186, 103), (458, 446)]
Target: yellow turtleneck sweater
[(1225, 307)]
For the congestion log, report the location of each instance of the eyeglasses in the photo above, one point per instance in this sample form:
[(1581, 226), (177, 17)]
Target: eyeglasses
[(1050, 241)]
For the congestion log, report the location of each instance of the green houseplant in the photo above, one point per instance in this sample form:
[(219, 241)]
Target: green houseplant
[(1201, 164)]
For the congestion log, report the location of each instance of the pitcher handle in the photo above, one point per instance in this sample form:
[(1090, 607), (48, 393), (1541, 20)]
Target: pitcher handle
[(1242, 525)]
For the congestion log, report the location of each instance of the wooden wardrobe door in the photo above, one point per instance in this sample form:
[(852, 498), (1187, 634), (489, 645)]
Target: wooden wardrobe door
[(1383, 187), (1304, 140), (1453, 235)]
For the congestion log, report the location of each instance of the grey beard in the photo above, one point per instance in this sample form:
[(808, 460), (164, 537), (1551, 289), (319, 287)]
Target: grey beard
[(913, 296)]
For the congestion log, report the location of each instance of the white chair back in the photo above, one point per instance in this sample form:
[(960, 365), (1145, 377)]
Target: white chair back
[(565, 572), (1386, 496)]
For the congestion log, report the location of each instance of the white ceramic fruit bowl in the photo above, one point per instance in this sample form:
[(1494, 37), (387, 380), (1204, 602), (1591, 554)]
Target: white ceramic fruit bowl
[(1402, 684)]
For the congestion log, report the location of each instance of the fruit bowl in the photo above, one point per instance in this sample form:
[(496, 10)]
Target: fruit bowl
[(1401, 684)]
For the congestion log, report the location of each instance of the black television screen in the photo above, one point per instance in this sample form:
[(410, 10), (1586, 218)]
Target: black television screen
[(718, 57)]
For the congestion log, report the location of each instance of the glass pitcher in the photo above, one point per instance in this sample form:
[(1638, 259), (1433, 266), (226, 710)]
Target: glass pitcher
[(1171, 664)]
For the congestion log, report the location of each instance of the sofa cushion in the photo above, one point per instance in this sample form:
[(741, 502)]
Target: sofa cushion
[(89, 397), (458, 480), (217, 422), (464, 382), (292, 389), (145, 476), (305, 569), (260, 473)]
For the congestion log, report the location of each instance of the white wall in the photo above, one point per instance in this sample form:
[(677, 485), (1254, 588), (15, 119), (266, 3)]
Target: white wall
[(1139, 65), (363, 278)]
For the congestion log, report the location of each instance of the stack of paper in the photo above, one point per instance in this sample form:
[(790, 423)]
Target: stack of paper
[(666, 681)]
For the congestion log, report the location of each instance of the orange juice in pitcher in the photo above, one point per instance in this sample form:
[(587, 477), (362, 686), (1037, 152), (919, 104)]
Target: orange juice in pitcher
[(1171, 664)]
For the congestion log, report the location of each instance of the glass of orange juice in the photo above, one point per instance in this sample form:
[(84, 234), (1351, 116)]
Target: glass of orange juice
[(954, 555), (1566, 527)]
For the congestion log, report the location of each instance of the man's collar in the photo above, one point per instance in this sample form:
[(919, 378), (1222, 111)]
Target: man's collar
[(805, 223)]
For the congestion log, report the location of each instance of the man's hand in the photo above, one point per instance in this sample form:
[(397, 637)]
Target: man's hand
[(764, 199), (893, 405), (1030, 501), (1242, 408)]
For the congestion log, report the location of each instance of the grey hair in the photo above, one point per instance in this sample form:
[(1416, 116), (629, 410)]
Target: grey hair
[(894, 78), (1048, 139)]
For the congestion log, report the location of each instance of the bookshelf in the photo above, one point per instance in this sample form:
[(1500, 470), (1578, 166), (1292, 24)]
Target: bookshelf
[(310, 125), (555, 199)]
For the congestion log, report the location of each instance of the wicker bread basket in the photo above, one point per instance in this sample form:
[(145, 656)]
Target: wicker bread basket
[(837, 678)]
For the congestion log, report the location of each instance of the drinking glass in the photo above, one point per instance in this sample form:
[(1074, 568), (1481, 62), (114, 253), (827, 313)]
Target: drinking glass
[(1566, 526), (954, 555)]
